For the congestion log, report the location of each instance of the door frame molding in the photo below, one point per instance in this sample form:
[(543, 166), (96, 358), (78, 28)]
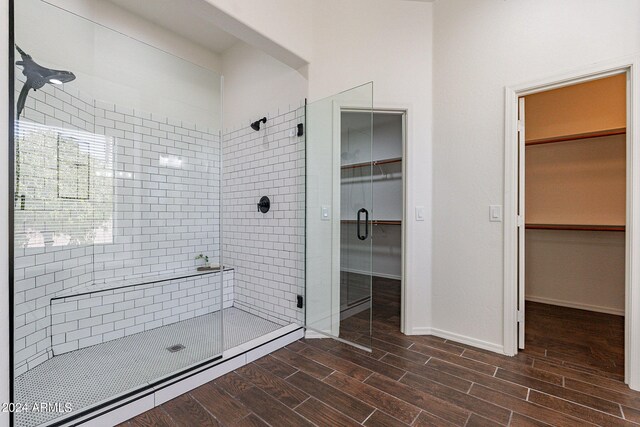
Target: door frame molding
[(405, 288), (631, 67), (403, 111)]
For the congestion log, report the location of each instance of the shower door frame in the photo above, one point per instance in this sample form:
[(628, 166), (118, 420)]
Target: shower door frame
[(11, 196)]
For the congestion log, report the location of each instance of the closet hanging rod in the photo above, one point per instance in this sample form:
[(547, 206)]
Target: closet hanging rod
[(374, 222), (373, 163), (578, 136)]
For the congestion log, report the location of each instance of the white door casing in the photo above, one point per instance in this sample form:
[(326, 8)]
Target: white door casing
[(631, 68)]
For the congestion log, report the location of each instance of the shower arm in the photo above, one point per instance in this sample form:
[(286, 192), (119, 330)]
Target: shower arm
[(22, 99)]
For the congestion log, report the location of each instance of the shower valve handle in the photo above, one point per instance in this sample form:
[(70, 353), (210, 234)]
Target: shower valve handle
[(264, 204)]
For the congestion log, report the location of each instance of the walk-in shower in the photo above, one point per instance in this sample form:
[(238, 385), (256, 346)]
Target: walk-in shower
[(121, 200), (151, 251)]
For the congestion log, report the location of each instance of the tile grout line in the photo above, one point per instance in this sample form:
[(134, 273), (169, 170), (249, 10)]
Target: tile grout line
[(292, 374), (298, 405), (468, 418), (416, 417), (372, 412), (368, 376)]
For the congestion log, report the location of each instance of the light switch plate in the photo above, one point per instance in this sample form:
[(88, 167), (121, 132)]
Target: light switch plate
[(325, 214), (419, 213), (495, 213)]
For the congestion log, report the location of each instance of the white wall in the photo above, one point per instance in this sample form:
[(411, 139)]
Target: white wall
[(481, 46), (256, 84), (115, 68), (579, 269), (388, 42), (120, 20), (282, 28)]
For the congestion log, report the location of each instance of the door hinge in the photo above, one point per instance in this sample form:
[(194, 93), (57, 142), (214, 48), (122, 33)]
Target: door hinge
[(520, 316), (520, 125), (520, 221)]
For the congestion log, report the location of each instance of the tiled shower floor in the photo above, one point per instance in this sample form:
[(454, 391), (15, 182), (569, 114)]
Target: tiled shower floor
[(90, 375)]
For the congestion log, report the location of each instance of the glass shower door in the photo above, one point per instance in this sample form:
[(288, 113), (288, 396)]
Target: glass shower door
[(339, 216)]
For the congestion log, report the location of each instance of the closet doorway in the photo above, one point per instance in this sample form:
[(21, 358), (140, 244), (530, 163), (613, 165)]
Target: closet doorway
[(514, 223), (383, 271), (573, 203)]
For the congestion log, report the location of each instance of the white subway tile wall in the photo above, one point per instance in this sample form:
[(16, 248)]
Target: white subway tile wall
[(81, 321), (150, 206), (266, 250)]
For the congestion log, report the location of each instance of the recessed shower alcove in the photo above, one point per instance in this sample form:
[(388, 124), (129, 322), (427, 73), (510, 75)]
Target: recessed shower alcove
[(121, 197), (156, 247)]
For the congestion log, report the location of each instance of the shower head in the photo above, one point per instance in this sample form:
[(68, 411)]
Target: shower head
[(37, 76), (256, 125)]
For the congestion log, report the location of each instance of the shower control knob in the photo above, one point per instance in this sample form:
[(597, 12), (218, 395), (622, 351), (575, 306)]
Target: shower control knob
[(264, 204)]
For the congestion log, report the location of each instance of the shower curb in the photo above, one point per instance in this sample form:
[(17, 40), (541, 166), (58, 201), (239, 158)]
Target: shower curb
[(122, 408)]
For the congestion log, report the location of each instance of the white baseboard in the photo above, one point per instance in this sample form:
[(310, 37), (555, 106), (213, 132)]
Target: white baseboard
[(485, 345), (578, 305), (419, 330), (365, 305), (309, 334), (463, 339)]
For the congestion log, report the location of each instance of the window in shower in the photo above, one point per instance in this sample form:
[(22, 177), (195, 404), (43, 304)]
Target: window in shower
[(117, 192), (73, 169)]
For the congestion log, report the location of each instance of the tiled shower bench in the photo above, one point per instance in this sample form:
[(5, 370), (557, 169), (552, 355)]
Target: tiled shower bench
[(94, 314)]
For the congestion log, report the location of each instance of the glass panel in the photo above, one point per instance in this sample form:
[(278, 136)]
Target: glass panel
[(339, 214), (117, 214)]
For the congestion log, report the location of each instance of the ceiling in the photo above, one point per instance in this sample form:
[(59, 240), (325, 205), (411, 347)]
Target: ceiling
[(178, 17)]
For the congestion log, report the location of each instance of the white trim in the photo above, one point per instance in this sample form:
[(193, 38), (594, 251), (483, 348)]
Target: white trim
[(419, 330), (578, 305), (352, 311), (336, 215), (463, 339), (407, 285), (632, 300), (510, 230), (631, 66), (310, 334)]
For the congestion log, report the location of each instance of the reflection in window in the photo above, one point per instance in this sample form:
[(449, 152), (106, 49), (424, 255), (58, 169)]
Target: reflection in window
[(64, 186)]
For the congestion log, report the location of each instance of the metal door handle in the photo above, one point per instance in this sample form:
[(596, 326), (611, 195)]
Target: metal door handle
[(366, 224)]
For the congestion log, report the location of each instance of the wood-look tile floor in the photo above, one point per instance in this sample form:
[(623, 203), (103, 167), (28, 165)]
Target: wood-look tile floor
[(569, 375)]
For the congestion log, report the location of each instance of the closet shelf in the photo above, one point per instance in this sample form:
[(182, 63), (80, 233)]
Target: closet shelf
[(374, 163), (575, 227), (563, 138), (374, 222)]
